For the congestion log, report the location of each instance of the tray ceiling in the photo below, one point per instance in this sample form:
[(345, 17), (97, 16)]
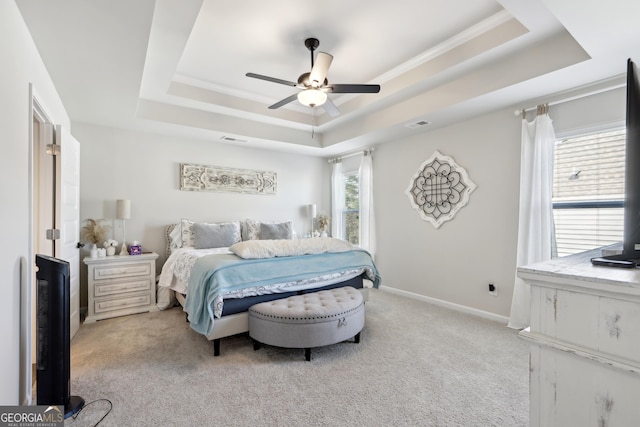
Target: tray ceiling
[(178, 66)]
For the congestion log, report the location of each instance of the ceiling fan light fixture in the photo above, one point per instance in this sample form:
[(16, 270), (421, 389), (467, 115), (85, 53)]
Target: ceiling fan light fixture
[(312, 97), (314, 84)]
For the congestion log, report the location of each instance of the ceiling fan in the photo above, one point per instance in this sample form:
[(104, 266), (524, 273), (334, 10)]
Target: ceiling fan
[(315, 85)]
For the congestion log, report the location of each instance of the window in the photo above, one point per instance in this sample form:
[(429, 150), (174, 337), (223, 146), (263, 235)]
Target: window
[(588, 191), (351, 212)]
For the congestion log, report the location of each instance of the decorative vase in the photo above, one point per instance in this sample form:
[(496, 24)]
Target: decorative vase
[(324, 234), (111, 250), (93, 251)]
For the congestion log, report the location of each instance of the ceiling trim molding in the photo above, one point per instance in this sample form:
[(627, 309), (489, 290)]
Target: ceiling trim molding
[(459, 39)]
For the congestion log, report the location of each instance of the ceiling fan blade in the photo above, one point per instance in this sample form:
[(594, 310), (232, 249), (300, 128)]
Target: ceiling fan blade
[(338, 88), (271, 79), (284, 101), (320, 69), (331, 108)]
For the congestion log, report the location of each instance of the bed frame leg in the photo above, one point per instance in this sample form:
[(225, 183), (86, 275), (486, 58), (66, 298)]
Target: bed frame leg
[(356, 339), (256, 345), (307, 354), (216, 347)]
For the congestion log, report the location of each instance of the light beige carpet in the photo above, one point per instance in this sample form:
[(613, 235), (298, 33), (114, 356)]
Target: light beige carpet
[(416, 365)]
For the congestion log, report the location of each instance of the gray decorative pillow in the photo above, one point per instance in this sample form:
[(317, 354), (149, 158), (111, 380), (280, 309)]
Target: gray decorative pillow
[(282, 230), (220, 235)]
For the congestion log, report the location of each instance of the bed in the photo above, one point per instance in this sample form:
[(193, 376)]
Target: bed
[(217, 271)]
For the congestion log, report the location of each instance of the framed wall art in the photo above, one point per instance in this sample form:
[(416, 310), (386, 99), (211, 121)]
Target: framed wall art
[(214, 178), (439, 189)]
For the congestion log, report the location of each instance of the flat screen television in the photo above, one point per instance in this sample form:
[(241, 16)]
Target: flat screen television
[(631, 237), (53, 341), (630, 255)]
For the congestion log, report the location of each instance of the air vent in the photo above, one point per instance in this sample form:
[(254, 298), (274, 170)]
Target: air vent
[(419, 123), (232, 139)]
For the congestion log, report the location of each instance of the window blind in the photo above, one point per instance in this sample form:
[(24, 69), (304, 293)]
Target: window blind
[(588, 169)]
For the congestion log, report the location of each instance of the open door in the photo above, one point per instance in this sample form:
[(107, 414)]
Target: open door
[(68, 213), (54, 225)]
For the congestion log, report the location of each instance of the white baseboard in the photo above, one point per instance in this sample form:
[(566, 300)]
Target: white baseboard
[(446, 304)]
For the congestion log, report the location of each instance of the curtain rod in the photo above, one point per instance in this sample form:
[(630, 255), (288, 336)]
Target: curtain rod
[(540, 109), (339, 158)]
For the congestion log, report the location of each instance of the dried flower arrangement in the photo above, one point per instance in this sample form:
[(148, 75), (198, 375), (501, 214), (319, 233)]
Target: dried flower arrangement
[(94, 231), (323, 222)]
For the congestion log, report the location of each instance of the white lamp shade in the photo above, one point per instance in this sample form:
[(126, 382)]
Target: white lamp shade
[(312, 211), (312, 97), (123, 209)]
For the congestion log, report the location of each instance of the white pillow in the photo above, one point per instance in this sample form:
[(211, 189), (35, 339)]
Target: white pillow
[(254, 249)]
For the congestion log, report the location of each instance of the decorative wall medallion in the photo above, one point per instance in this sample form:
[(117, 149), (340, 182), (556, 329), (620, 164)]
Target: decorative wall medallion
[(214, 178), (439, 189)]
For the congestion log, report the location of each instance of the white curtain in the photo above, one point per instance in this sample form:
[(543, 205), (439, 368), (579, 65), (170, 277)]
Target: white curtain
[(536, 231), (367, 223), (337, 199)]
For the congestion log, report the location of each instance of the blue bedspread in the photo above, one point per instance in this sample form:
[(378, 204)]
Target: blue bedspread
[(214, 274)]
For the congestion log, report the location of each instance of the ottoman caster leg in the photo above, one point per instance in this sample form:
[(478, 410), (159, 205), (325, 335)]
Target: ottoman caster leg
[(356, 339), (307, 354)]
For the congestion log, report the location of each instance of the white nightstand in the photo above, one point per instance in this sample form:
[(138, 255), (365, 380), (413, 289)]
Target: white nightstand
[(121, 285)]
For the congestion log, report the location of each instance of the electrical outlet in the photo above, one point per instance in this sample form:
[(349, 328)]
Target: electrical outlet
[(493, 290)]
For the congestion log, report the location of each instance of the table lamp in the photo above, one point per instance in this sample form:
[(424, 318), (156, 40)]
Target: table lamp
[(123, 212)]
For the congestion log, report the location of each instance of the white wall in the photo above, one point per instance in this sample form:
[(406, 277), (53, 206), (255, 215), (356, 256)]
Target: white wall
[(143, 167), (456, 262), (590, 114), (21, 65)]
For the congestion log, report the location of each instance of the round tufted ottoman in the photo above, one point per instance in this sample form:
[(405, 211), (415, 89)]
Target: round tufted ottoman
[(308, 320)]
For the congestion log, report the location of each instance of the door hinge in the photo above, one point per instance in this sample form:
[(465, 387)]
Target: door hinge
[(53, 149), (53, 234)]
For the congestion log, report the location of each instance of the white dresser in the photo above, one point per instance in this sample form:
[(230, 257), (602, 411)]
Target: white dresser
[(121, 285), (585, 343)]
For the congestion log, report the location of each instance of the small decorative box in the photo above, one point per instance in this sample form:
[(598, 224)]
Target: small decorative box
[(135, 250)]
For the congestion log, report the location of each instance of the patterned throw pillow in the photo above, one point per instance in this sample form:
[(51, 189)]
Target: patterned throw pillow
[(250, 229), (186, 233), (174, 237)]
